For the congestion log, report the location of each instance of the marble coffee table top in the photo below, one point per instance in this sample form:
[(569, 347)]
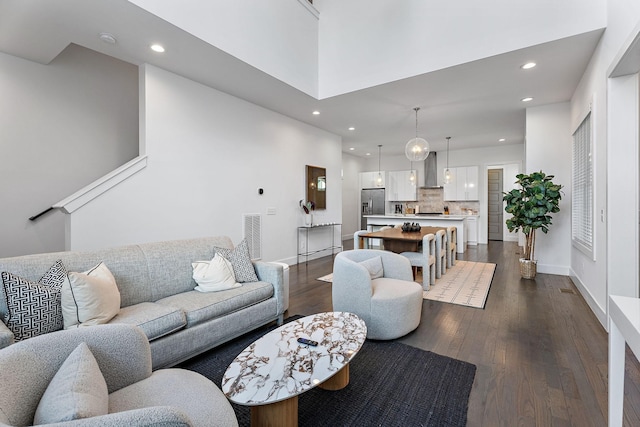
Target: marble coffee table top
[(276, 367)]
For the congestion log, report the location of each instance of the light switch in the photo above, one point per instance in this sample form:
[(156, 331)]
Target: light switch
[(271, 211)]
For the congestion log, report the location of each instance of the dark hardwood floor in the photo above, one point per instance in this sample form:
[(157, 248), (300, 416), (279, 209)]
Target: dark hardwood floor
[(540, 352)]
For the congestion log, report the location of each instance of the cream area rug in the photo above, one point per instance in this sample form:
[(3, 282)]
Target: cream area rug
[(327, 278), (466, 283)]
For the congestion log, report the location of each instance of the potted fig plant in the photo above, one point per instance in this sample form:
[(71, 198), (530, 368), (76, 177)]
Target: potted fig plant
[(531, 206)]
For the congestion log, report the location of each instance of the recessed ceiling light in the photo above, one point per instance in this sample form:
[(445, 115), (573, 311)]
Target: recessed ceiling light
[(368, 154), (352, 128), (315, 113), (157, 48), (527, 99), (351, 148), (501, 140), (528, 65), (107, 38)]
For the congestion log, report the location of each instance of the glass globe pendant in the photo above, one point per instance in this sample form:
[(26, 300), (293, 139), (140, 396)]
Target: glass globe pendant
[(417, 149)]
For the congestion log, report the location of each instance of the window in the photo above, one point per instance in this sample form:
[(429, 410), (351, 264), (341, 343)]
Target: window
[(582, 191)]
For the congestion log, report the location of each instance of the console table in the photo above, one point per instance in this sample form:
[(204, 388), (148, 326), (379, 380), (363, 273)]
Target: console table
[(306, 229)]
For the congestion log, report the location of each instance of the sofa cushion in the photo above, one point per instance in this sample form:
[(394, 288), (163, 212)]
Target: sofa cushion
[(90, 298), (156, 320), (78, 390), (200, 307), (241, 261), (34, 308)]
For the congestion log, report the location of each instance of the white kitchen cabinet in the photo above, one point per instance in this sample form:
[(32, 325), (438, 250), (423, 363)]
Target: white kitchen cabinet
[(472, 229), (463, 184), (400, 187), (370, 180)]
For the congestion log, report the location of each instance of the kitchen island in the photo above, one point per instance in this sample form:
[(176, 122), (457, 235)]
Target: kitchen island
[(458, 221)]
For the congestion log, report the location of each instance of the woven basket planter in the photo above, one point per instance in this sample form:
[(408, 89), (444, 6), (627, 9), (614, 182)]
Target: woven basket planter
[(528, 268)]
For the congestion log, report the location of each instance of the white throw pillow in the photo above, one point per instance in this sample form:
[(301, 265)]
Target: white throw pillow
[(77, 390), (214, 275), (374, 266), (90, 298)]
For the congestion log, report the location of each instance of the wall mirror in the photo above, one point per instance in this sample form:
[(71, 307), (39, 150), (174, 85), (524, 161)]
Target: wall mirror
[(317, 186)]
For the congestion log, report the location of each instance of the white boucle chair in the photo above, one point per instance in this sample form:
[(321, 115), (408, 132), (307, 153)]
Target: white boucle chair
[(390, 305), (136, 395), (451, 246), (441, 253), (425, 260)]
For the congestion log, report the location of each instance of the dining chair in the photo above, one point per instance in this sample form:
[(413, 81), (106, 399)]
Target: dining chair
[(425, 260), (356, 240), (451, 246), (441, 253)]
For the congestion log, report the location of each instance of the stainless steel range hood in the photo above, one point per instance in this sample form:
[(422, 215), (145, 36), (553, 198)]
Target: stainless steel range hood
[(431, 171)]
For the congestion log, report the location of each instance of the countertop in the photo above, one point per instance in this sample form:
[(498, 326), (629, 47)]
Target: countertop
[(418, 217)]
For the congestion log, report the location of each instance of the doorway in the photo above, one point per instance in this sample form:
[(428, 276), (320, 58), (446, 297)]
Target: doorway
[(494, 201)]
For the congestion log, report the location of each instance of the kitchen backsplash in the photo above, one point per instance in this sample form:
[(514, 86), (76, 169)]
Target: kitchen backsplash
[(431, 200)]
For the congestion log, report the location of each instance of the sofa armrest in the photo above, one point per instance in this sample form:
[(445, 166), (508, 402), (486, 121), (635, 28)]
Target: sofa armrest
[(165, 416), (274, 274), (6, 336)]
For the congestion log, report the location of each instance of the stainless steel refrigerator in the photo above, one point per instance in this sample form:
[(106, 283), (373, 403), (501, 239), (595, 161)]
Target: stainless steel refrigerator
[(372, 200)]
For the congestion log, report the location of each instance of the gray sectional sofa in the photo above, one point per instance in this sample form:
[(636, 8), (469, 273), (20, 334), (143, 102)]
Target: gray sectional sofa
[(157, 294)]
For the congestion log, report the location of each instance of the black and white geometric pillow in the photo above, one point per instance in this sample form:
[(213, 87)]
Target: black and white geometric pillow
[(241, 262), (34, 308)]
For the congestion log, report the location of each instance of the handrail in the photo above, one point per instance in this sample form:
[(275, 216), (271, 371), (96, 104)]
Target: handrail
[(33, 218)]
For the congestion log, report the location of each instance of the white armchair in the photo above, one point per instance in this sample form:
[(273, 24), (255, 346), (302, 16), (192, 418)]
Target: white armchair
[(425, 260), (136, 395), (390, 305)]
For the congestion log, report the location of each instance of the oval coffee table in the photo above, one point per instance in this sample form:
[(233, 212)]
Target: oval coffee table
[(270, 373)]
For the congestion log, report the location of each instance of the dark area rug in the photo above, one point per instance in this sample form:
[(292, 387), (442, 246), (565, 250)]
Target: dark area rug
[(391, 384)]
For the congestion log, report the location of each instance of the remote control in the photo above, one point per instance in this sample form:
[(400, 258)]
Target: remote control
[(307, 342)]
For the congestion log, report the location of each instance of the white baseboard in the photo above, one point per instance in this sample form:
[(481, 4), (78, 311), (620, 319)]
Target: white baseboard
[(561, 270), (601, 314)]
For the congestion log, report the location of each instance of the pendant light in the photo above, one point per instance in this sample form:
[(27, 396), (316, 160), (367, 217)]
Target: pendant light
[(417, 149), (447, 172), (379, 179)]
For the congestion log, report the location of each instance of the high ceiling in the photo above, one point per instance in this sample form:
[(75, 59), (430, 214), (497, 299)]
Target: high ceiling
[(476, 103)]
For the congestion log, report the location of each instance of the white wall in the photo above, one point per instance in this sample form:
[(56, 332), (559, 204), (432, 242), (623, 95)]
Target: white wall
[(623, 16), (277, 37), (351, 167), (548, 149), (62, 126), (369, 42), (208, 153)]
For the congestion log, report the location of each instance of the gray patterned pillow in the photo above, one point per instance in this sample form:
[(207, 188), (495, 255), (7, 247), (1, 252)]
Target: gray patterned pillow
[(241, 262), (34, 308)]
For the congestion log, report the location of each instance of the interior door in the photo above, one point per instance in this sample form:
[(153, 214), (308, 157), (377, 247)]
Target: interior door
[(494, 198)]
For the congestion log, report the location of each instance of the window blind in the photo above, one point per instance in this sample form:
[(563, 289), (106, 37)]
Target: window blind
[(582, 191)]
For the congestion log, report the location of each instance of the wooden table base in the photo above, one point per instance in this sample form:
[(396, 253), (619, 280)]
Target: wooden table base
[(283, 413), (337, 382)]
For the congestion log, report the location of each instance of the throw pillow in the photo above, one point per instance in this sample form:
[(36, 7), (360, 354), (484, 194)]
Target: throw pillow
[(374, 266), (214, 275), (78, 390), (90, 298), (241, 262), (34, 308)]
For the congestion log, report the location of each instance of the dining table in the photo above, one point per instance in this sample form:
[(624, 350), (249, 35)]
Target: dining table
[(398, 241)]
